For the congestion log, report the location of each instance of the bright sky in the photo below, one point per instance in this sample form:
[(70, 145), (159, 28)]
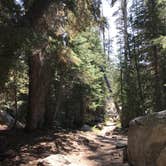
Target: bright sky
[(18, 1), (112, 31), (108, 12)]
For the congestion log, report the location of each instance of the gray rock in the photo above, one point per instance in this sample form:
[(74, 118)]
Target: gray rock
[(54, 160), (6, 118), (120, 145), (147, 140), (86, 127)]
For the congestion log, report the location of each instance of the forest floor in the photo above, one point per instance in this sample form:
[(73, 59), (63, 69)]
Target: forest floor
[(106, 147)]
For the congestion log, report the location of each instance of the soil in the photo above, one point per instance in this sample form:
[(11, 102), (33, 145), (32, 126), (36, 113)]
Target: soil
[(75, 148)]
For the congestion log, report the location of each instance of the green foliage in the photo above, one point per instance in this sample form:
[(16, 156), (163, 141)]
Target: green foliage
[(139, 85), (161, 40), (57, 32), (87, 47)]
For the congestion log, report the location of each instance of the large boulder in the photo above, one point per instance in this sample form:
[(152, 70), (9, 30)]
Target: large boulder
[(147, 140), (7, 119)]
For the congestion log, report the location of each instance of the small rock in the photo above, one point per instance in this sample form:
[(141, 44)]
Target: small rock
[(120, 145), (99, 126), (86, 128)]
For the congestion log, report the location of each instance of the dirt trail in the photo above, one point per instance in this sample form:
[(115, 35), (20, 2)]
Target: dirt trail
[(106, 148), (103, 149), (49, 148)]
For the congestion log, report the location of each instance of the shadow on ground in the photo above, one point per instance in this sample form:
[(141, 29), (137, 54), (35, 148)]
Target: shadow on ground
[(19, 148)]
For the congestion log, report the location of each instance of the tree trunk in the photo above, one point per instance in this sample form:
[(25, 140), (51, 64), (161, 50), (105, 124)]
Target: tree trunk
[(137, 68), (157, 84), (125, 118), (15, 99), (60, 96), (39, 81)]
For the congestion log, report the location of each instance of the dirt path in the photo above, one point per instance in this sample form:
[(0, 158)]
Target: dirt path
[(104, 148)]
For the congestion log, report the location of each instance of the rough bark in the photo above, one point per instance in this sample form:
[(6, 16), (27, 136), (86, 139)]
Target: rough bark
[(60, 97), (39, 80), (125, 118), (41, 16), (157, 84)]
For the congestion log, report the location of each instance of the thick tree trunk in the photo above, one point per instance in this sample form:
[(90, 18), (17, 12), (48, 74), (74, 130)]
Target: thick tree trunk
[(45, 18), (39, 82)]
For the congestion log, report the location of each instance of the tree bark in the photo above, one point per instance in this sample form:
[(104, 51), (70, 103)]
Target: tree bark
[(39, 81), (157, 84), (60, 96), (40, 71), (15, 99)]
